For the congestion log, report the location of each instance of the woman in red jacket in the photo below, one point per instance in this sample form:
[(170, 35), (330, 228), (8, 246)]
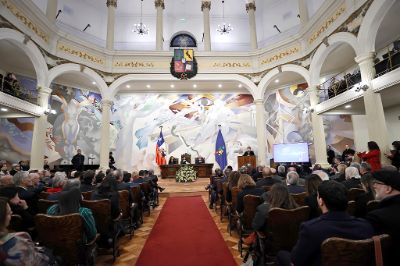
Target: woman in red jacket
[(372, 156)]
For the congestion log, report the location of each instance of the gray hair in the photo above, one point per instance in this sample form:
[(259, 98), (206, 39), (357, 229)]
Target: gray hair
[(59, 178), (352, 171), (356, 165), (72, 183), (281, 169), (322, 174), (365, 166), (292, 178), (19, 177)]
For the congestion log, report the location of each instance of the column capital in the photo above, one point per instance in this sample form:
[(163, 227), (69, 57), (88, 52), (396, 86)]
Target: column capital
[(250, 6), (112, 3), (364, 57), (259, 101), (44, 90), (159, 3), (106, 103), (205, 4)]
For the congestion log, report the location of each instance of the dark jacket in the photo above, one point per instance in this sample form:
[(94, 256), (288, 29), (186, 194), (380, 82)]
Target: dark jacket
[(86, 187), (267, 181), (352, 183), (123, 186), (113, 197), (386, 220), (30, 197), (247, 191), (311, 201), (361, 204), (295, 189), (260, 218), (307, 251), (248, 153)]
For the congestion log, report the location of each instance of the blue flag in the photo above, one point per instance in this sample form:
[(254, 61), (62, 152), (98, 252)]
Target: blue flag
[(220, 151)]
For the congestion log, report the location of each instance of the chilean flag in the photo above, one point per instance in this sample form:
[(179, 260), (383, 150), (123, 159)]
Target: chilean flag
[(160, 155)]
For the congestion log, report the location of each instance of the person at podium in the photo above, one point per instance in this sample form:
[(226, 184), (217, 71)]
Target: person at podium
[(199, 160), (78, 160), (248, 152), (173, 160)]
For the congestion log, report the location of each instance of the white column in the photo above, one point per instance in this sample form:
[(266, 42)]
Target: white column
[(39, 131), (51, 10), (303, 11), (111, 6), (205, 8), (318, 130), (261, 132), (160, 6), (105, 133), (360, 132), (251, 9), (375, 114)]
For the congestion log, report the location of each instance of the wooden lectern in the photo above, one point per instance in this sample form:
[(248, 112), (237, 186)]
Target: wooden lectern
[(244, 160)]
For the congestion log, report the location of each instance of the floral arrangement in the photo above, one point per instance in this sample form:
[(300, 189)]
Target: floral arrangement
[(186, 174)]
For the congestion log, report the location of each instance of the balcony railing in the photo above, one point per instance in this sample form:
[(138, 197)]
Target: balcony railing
[(11, 86), (338, 84)]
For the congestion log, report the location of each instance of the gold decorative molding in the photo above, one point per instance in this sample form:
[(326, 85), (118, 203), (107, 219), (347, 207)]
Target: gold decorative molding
[(231, 65), (205, 4), (133, 64), (27, 22), (250, 6), (81, 54), (159, 3), (280, 55), (327, 23), (111, 3)]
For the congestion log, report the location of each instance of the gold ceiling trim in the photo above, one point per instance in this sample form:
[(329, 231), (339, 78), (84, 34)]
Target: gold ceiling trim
[(81, 54), (281, 55)]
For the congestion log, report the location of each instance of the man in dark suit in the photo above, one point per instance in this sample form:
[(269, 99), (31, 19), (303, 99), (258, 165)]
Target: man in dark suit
[(292, 181), (78, 160), (266, 179), (386, 218), (331, 154), (248, 152), (26, 192), (347, 154), (334, 222)]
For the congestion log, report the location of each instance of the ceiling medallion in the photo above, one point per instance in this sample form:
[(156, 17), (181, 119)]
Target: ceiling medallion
[(141, 28), (224, 28)]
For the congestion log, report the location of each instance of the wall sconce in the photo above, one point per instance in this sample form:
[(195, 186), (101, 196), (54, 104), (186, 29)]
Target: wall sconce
[(362, 87), (50, 111)]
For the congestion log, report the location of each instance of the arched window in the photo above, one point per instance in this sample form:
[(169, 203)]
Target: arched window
[(183, 40)]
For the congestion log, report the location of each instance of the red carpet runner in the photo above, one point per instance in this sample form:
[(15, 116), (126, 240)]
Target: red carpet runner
[(185, 234)]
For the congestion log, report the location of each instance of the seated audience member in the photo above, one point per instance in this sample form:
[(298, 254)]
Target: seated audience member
[(68, 203), (365, 168), (87, 181), (312, 183), (6, 180), (121, 185), (98, 178), (334, 222), (154, 181), (70, 184), (373, 156), (368, 195), (213, 186), (277, 197), (25, 189), (352, 178), (4, 169), (227, 172), (18, 206), (322, 174), (17, 248), (258, 174), (37, 184), (140, 178), (266, 179), (59, 180), (292, 180), (275, 176), (126, 177), (248, 187), (394, 156), (233, 180), (356, 165), (386, 219), (339, 176), (108, 190), (15, 168), (281, 171)]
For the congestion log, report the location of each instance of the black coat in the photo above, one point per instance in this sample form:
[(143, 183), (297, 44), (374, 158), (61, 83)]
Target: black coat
[(386, 220), (78, 161), (307, 251), (361, 204), (248, 153), (268, 181), (311, 201), (260, 218), (295, 189), (352, 183), (247, 191)]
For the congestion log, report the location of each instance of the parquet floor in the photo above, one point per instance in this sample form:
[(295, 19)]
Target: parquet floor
[(130, 248)]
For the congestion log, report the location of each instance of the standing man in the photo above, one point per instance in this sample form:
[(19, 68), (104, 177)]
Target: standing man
[(248, 152), (78, 160), (331, 154), (111, 161), (348, 154)]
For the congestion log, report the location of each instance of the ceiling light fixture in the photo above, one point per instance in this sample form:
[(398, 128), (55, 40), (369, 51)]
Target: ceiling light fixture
[(240, 85), (277, 80), (224, 28), (128, 86), (94, 82), (194, 86), (4, 109), (141, 28), (347, 106), (148, 86), (219, 85), (172, 86)]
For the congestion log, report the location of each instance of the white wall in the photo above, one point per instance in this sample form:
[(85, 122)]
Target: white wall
[(392, 116), (360, 130)]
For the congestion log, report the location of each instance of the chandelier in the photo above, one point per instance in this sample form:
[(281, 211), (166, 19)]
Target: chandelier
[(141, 28), (224, 28)]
